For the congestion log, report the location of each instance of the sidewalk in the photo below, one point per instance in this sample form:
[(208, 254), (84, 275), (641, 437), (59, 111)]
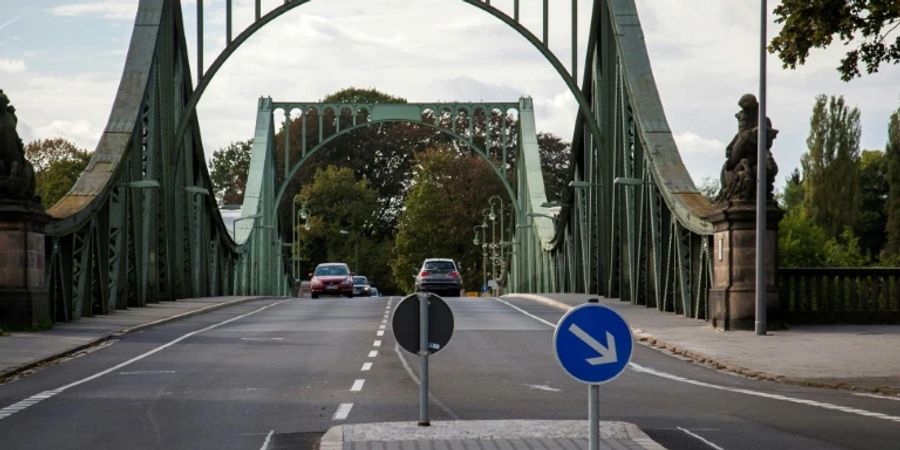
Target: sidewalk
[(854, 357), (485, 435), (20, 352)]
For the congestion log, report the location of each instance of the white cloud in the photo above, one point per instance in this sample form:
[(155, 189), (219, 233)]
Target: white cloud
[(12, 65), (691, 143), (80, 131), (108, 9)]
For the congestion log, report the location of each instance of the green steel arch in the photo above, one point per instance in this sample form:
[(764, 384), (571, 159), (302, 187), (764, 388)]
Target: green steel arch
[(140, 226)]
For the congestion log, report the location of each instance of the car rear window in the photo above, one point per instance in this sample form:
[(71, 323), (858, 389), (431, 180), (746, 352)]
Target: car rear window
[(439, 265), (332, 270), (359, 280)]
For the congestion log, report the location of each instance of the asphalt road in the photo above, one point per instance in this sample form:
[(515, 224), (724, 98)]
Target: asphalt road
[(277, 373)]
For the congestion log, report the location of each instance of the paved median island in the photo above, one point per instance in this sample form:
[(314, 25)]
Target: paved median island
[(485, 434)]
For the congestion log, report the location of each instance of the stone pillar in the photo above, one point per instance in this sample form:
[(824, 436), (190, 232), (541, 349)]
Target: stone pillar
[(24, 299), (732, 296)]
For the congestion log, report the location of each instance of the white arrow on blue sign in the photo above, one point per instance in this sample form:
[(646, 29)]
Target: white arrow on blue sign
[(593, 343)]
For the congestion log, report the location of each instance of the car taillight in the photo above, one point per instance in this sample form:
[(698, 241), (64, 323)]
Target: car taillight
[(423, 274), (454, 274), (347, 281)]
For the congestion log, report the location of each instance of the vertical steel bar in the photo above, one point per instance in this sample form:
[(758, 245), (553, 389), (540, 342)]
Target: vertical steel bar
[(575, 40), (546, 18), (227, 22), (594, 417), (516, 11), (258, 10), (423, 360), (199, 40), (303, 115), (761, 182), (287, 142)]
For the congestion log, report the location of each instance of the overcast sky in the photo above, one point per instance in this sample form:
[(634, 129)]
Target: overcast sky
[(61, 60)]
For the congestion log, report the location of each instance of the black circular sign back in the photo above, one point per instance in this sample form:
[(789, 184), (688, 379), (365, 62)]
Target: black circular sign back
[(405, 323)]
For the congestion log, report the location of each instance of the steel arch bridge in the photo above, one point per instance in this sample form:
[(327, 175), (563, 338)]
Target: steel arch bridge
[(141, 226)]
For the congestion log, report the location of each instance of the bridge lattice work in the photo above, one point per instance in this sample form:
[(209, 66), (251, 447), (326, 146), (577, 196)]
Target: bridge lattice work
[(141, 226)]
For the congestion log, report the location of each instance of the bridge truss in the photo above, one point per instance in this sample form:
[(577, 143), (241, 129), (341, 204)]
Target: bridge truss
[(141, 226)]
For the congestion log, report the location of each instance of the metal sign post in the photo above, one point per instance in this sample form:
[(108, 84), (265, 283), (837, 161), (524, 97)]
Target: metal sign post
[(594, 345), (423, 360), (422, 324)]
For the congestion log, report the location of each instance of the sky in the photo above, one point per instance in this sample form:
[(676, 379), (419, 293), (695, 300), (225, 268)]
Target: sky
[(61, 61)]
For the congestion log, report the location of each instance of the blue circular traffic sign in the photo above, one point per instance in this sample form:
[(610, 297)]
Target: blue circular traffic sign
[(593, 343)]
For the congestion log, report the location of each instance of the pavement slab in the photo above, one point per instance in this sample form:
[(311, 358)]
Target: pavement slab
[(853, 357), (485, 435), (22, 351)]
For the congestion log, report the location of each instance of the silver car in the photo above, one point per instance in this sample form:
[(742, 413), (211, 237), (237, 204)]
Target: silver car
[(439, 275)]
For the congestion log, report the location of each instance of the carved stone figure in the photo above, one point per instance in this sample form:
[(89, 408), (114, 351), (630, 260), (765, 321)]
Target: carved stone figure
[(16, 173), (738, 179)]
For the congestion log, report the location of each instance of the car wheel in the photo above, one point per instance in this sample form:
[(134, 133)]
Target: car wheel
[(314, 295)]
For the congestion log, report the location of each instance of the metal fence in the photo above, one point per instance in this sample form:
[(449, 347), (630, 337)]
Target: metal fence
[(840, 294)]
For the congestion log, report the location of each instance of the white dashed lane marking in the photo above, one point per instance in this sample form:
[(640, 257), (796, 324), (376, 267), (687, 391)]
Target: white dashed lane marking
[(373, 353), (342, 412), (357, 385), (376, 344), (367, 366), (380, 333)]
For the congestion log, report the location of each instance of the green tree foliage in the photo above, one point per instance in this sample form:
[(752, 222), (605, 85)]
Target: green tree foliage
[(556, 158), (844, 251), (57, 165), (801, 243), (868, 28), (873, 193), (830, 166), (229, 167), (338, 201), (892, 154), (791, 196), (448, 193)]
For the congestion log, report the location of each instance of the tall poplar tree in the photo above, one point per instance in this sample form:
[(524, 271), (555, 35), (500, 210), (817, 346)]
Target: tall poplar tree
[(831, 165), (892, 153)]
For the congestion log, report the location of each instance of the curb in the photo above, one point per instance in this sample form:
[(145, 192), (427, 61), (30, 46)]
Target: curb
[(333, 439), (652, 341), (15, 371)]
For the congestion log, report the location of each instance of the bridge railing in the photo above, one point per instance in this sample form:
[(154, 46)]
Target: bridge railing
[(840, 294)]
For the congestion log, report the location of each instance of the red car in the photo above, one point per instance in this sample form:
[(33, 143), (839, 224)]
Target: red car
[(331, 279)]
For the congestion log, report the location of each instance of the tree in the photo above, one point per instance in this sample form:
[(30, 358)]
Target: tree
[(892, 154), (866, 26), (873, 193), (801, 242), (792, 194), (57, 165), (342, 213), (556, 157), (229, 169), (448, 193), (830, 165)]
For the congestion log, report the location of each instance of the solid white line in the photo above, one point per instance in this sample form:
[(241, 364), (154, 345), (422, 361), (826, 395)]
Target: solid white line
[(47, 394), (366, 367), (373, 353), (376, 344), (549, 324), (146, 372), (883, 397), (265, 445), (700, 438), (661, 374), (380, 333), (342, 412), (357, 385), (262, 339)]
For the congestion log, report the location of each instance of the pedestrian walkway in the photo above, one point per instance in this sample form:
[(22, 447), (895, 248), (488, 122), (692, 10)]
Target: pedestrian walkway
[(22, 351), (485, 435), (856, 357)]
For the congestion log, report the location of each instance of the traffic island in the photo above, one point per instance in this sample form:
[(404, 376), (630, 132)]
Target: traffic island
[(503, 434)]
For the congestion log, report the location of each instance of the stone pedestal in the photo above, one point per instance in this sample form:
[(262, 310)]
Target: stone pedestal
[(24, 299), (732, 296)]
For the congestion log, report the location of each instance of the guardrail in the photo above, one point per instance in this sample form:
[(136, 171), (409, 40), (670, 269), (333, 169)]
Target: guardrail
[(840, 294)]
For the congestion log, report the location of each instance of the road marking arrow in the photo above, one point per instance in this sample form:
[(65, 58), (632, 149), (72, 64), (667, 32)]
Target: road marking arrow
[(607, 354)]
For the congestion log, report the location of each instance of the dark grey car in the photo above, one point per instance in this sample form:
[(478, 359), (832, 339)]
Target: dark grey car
[(439, 275)]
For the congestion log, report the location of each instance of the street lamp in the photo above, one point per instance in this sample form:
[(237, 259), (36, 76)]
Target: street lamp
[(355, 251)]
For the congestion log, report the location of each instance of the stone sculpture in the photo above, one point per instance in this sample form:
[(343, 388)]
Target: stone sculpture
[(738, 179), (17, 181)]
